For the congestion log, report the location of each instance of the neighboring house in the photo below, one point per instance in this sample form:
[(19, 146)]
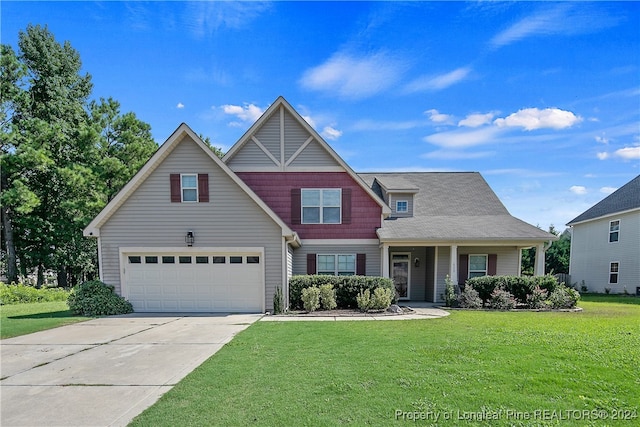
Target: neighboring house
[(191, 232), (605, 243)]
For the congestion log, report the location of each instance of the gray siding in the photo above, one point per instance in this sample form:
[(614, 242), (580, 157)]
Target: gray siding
[(314, 155), (372, 251), (294, 134), (508, 257), (269, 135), (443, 255), (393, 197), (591, 254), (251, 155), (417, 275), (230, 219)]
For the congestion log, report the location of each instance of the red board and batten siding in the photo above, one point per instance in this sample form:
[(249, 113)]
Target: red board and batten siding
[(275, 188)]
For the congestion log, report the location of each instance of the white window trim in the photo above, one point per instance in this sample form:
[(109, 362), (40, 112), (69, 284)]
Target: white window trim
[(404, 210), (302, 206), (486, 265), (335, 265), (617, 273), (408, 262), (182, 188), (616, 231)]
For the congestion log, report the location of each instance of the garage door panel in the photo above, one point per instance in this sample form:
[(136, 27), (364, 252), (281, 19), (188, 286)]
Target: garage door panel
[(194, 283)]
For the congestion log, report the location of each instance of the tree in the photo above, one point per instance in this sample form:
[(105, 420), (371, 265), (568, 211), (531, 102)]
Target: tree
[(556, 256), (217, 150)]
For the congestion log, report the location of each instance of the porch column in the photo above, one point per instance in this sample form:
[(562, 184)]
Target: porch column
[(385, 260), (539, 261), (453, 264)]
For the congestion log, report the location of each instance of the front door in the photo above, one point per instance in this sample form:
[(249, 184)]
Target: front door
[(400, 274)]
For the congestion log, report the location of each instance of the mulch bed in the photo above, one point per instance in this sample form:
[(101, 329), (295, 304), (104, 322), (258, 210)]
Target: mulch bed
[(345, 313)]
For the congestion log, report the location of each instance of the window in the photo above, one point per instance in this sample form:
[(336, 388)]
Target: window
[(219, 260), (614, 231), (321, 206), (477, 265), (184, 259), (253, 260), (135, 260), (168, 260), (151, 260), (614, 267), (402, 206), (337, 265), (235, 260), (202, 260), (189, 187)]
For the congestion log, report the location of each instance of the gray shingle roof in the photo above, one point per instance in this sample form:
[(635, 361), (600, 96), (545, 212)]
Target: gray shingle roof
[(453, 206), (623, 199)]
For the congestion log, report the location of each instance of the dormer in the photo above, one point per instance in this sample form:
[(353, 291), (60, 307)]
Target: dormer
[(398, 194)]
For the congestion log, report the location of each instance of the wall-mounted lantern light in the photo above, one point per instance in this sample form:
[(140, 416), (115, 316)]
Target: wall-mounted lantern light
[(416, 262), (189, 238)]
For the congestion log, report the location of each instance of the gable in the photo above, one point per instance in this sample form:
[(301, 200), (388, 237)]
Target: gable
[(624, 199)]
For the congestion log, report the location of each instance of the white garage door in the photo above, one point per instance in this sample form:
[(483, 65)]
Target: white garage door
[(194, 282)]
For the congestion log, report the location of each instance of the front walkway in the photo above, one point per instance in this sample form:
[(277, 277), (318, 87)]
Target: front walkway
[(420, 311)]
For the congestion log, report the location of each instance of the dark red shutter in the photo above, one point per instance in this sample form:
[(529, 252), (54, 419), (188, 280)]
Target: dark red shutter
[(346, 206), (361, 264), (311, 264), (176, 197), (203, 188), (463, 269), (296, 206), (492, 265)]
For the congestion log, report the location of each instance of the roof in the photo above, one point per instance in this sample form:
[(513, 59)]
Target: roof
[(624, 199), (93, 229), (454, 206), (396, 184)]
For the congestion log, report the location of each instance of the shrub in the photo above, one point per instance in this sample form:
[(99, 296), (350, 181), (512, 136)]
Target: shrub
[(381, 299), (469, 298), (364, 300), (346, 287), (24, 294), (278, 305), (327, 297), (449, 296), (538, 298), (502, 300), (519, 286), (95, 298), (311, 299), (564, 297)]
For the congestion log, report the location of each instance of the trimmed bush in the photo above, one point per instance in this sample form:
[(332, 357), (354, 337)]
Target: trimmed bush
[(24, 294), (502, 300), (95, 298), (278, 301), (346, 287), (519, 286), (364, 300), (564, 297), (469, 298), (311, 299), (449, 297), (538, 298), (381, 299), (327, 297)]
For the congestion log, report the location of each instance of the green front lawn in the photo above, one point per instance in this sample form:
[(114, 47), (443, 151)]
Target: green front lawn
[(21, 319), (547, 366)]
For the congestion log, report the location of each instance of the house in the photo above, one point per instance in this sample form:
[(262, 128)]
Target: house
[(192, 232), (605, 243)]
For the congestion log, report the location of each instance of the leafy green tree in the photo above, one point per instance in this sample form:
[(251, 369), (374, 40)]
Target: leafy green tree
[(556, 256), (217, 150)]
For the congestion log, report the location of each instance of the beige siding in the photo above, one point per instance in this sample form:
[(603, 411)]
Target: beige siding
[(372, 251), (230, 219), (591, 254), (508, 257)]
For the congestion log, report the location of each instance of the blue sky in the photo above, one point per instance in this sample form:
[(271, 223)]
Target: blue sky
[(542, 98)]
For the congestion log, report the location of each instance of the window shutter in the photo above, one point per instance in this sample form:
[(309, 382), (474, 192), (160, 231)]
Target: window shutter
[(311, 264), (361, 264), (463, 269), (203, 188), (174, 179), (296, 206), (346, 206), (492, 264)]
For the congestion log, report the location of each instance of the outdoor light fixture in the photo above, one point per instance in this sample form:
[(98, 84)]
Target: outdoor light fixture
[(416, 262), (189, 238)]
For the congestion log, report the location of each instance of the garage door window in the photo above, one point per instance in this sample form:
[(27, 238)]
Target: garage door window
[(135, 260), (235, 259), (253, 260), (202, 260), (184, 259), (168, 260), (151, 260)]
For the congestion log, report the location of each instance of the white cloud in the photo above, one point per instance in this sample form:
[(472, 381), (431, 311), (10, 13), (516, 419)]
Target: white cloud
[(533, 118), (331, 133), (246, 113), (205, 18), (436, 117), (464, 138), (180, 105), (578, 189), (608, 190), (476, 120), (354, 77), (628, 153), (602, 139), (439, 82), (603, 155), (309, 120)]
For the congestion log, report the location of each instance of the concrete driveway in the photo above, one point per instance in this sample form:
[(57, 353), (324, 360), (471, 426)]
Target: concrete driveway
[(104, 372)]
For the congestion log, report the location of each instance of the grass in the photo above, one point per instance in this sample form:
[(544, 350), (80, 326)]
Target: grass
[(21, 319), (468, 367)]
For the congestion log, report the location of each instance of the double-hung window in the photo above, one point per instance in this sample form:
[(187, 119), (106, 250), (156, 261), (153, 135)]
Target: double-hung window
[(477, 266), (614, 231), (321, 206), (189, 187), (614, 268), (402, 206), (337, 265)]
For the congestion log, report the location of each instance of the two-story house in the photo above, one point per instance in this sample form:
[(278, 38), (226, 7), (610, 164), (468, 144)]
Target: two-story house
[(191, 232), (605, 243)]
